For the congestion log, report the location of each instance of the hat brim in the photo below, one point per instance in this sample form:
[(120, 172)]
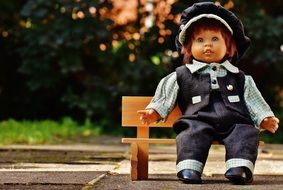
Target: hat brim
[(225, 16), (182, 35)]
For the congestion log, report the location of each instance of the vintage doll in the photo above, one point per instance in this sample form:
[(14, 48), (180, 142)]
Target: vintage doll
[(217, 100)]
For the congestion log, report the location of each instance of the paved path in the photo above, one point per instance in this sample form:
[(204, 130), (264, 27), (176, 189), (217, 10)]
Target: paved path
[(106, 166)]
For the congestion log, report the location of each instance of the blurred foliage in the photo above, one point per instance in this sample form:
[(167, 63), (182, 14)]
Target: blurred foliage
[(72, 57)]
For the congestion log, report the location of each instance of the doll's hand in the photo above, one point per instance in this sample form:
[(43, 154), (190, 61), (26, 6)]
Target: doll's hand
[(148, 116), (270, 124)]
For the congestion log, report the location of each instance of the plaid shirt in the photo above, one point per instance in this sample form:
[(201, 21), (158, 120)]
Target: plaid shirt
[(166, 93)]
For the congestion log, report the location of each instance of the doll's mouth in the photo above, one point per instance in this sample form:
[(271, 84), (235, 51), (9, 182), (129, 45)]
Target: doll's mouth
[(208, 52)]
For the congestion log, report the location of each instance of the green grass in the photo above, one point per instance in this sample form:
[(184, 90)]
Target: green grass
[(69, 131), (45, 132)]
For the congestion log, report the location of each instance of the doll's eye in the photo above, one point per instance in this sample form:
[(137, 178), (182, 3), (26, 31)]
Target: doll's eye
[(199, 39), (214, 39)]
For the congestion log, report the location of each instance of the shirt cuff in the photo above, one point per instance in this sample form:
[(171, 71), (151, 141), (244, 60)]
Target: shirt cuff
[(238, 162), (160, 109), (190, 164)]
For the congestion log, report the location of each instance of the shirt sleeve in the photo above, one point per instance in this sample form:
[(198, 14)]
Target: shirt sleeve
[(165, 96), (257, 106)]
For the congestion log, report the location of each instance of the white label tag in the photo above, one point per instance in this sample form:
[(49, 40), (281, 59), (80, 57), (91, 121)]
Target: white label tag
[(196, 99), (233, 99)]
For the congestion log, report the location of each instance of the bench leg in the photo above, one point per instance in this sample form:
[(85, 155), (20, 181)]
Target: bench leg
[(142, 161), (134, 161), (139, 161), (139, 156), (142, 132)]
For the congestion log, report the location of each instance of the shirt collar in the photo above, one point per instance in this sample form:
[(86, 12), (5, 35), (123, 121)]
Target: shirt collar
[(230, 67), (197, 65)]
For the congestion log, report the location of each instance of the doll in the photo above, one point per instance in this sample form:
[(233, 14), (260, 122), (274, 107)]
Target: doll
[(217, 100)]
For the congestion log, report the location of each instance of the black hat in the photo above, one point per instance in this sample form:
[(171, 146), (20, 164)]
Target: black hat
[(210, 10)]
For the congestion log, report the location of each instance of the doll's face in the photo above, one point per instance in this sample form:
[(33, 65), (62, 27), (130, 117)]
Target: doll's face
[(208, 46)]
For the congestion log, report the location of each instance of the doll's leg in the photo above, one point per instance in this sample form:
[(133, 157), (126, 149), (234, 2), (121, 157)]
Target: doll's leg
[(241, 152), (193, 144)]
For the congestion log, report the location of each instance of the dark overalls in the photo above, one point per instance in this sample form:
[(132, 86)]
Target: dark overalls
[(213, 115)]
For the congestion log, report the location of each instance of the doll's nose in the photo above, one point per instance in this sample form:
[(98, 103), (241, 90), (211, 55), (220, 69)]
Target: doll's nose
[(207, 44)]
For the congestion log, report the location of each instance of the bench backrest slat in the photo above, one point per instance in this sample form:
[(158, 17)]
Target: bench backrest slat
[(130, 117)]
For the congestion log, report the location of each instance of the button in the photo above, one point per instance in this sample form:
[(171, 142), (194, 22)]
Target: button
[(214, 82), (230, 87), (214, 68)]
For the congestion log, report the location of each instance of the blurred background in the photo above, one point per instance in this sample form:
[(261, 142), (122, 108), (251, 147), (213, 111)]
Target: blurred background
[(65, 64)]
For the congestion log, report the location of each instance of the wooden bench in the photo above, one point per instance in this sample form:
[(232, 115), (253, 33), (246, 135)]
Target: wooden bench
[(140, 144)]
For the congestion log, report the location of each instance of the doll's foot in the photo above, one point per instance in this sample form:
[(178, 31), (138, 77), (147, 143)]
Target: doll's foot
[(239, 175), (189, 176)]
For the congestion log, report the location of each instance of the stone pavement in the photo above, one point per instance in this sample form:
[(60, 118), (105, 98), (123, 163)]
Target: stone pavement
[(105, 165)]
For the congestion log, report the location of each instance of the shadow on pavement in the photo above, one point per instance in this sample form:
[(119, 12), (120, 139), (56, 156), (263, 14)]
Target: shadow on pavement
[(170, 182)]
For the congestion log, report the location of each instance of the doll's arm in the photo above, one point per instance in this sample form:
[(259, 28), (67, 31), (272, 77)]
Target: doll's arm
[(270, 124), (257, 106), (165, 96), (148, 116)]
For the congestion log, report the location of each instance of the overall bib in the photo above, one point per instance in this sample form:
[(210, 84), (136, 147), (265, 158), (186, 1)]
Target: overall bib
[(209, 115)]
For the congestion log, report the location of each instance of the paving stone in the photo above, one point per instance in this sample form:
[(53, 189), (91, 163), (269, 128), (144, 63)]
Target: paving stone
[(106, 165)]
